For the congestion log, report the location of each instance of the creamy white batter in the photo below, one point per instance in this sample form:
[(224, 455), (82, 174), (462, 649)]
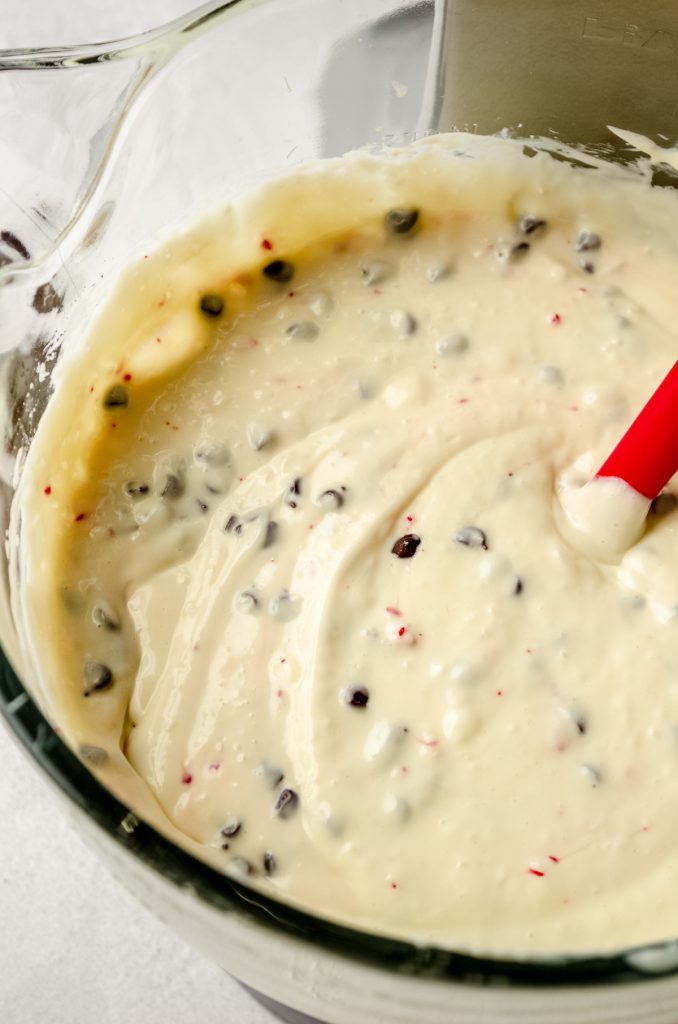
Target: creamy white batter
[(298, 587)]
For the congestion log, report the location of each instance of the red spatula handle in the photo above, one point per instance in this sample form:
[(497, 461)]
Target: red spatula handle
[(647, 455)]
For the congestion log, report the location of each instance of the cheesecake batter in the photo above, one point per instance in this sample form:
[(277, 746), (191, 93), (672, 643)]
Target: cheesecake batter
[(296, 582)]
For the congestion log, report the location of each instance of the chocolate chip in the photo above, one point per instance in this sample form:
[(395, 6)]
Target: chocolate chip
[(518, 587), (532, 225), (588, 241), (231, 827), (173, 487), (104, 617), (403, 322), (46, 299), (91, 754), (97, 676), (270, 534), (285, 606), (330, 500), (271, 775), (588, 267), (592, 773), (258, 436), (581, 723), (211, 455), (135, 490), (471, 537), (305, 330), (664, 503), (292, 493), (269, 863), (279, 270), (376, 272), (400, 221), (452, 344), (116, 397), (246, 601), (286, 804), (406, 546), (211, 304), (356, 696), (240, 866)]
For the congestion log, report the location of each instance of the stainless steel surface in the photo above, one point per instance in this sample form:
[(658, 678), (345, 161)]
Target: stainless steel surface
[(563, 67)]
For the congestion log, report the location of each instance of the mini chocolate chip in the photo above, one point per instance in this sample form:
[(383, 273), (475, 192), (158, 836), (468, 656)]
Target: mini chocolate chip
[(588, 267), (406, 546), (134, 490), (211, 455), (592, 773), (518, 587), (286, 804), (116, 397), (285, 606), (664, 503), (292, 493), (471, 537), (588, 241), (173, 487), (259, 436), (330, 500), (305, 330), (91, 754), (403, 322), (97, 677), (532, 225), (356, 696), (246, 601), (211, 304), (376, 272), (401, 221), (231, 827), (202, 506), (271, 775), (452, 344), (270, 534), (241, 866), (580, 722), (104, 617), (279, 270), (269, 863)]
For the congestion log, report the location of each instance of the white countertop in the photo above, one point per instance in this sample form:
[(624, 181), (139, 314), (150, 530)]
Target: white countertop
[(75, 948)]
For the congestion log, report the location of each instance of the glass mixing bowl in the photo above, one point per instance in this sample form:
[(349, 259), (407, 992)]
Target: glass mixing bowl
[(108, 147)]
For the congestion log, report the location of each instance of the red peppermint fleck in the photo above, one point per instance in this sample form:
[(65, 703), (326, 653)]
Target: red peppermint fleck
[(462, 401), (290, 295), (265, 244), (554, 860), (280, 694), (48, 489), (283, 660), (215, 766), (80, 516), (394, 885), (145, 257), (393, 611), (410, 519), (402, 631), (429, 743), (500, 693), (186, 779), (555, 319), (584, 291), (127, 377), (533, 871), (158, 341), (114, 426)]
